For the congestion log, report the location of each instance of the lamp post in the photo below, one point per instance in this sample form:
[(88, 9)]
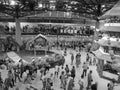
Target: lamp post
[(57, 39), (34, 47)]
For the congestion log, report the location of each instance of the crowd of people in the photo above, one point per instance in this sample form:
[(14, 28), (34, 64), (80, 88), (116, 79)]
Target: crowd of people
[(49, 29), (113, 34), (113, 19), (116, 50), (67, 76)]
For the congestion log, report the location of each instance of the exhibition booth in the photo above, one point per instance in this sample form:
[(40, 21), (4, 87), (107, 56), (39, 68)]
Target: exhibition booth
[(108, 67)]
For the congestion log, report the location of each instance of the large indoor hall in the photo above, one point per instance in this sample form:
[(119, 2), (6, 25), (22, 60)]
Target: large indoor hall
[(59, 44)]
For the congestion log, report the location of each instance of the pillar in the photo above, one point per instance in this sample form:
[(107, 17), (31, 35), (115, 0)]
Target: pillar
[(97, 27), (18, 32)]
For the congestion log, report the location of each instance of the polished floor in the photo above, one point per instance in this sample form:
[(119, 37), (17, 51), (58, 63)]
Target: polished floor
[(102, 83)]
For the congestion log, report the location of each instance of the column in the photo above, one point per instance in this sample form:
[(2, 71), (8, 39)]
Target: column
[(18, 32), (97, 26)]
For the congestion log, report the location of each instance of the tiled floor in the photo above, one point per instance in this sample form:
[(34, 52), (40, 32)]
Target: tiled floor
[(102, 83)]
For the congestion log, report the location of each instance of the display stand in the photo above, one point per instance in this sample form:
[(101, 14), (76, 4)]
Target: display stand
[(105, 74), (100, 67)]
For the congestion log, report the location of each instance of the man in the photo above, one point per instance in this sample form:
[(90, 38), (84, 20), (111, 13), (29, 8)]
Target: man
[(85, 67), (16, 74), (72, 58), (94, 86), (73, 72), (67, 70), (21, 66), (11, 78), (89, 80)]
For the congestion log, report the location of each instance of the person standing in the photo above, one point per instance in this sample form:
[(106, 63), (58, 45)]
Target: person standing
[(89, 78), (87, 57), (72, 58), (73, 72), (78, 59), (21, 67)]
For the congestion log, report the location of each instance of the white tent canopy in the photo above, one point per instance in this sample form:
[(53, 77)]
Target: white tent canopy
[(100, 55), (15, 58), (105, 56)]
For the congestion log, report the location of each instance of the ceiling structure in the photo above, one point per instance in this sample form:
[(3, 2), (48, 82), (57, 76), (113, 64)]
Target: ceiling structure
[(87, 8)]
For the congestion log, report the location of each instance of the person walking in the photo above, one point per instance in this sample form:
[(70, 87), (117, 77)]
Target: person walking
[(85, 67), (63, 80), (16, 74), (11, 77), (89, 78), (67, 70), (94, 86), (56, 71), (81, 83), (73, 72), (70, 84)]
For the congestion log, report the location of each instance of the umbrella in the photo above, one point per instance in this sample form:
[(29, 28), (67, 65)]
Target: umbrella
[(115, 11)]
